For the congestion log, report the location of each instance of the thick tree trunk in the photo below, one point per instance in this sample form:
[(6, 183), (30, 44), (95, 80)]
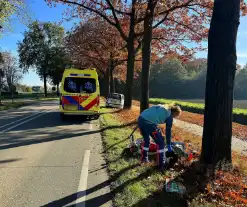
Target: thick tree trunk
[(58, 92), (45, 84), (12, 93), (0, 90), (1, 84), (107, 82), (112, 83), (12, 88), (146, 55), (217, 131), (131, 59)]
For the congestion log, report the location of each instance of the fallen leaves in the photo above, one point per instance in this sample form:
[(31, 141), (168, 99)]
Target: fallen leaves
[(228, 188)]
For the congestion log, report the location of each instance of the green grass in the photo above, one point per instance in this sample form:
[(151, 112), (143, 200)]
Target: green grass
[(128, 184), (131, 183), (7, 106), (198, 106), (28, 96), (48, 99)]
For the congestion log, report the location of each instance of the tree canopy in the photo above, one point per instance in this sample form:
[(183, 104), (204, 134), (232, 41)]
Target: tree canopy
[(42, 48), (10, 9)]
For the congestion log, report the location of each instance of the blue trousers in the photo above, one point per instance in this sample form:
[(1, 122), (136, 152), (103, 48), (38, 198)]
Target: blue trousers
[(149, 129)]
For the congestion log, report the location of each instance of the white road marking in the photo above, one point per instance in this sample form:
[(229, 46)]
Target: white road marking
[(20, 119), (81, 195), (40, 114)]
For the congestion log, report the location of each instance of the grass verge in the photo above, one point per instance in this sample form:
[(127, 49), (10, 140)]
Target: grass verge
[(48, 99), (134, 184), (18, 104), (139, 185), (198, 106), (11, 105)]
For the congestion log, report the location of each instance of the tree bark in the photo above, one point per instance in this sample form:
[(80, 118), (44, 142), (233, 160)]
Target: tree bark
[(58, 92), (112, 83), (131, 59), (1, 84), (217, 130), (146, 55), (45, 84), (108, 81), (12, 88), (0, 88)]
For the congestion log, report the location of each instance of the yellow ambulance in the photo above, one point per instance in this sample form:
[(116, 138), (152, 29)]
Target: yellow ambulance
[(79, 93)]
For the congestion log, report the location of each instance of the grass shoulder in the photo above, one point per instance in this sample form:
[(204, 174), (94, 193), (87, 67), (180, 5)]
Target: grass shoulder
[(7, 106), (188, 105), (131, 183)]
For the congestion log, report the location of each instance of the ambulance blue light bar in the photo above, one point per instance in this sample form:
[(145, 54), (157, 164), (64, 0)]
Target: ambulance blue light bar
[(86, 75)]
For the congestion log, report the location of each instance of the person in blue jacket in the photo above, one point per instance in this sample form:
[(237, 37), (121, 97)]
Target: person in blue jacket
[(154, 122)]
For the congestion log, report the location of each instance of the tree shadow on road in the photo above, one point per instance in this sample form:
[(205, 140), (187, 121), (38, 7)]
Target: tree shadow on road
[(18, 142), (34, 130), (158, 198), (102, 199), (9, 160)]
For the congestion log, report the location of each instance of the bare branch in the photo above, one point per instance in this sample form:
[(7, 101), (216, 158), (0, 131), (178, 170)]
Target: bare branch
[(118, 26)]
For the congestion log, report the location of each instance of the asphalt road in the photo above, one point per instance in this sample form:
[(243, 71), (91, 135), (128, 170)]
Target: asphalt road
[(47, 162)]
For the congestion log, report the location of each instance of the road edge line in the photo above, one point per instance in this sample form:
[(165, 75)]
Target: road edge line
[(81, 192)]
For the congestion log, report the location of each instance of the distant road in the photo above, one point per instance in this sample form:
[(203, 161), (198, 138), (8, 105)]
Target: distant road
[(237, 103)]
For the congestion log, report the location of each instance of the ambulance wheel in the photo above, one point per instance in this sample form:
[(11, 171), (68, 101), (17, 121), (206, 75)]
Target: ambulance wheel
[(62, 117)]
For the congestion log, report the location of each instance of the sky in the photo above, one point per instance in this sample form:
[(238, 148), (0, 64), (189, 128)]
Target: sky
[(40, 11)]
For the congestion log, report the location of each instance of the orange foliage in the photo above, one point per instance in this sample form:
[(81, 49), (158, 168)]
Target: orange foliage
[(94, 44), (228, 188)]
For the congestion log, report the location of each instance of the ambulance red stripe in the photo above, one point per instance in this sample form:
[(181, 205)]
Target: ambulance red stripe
[(91, 104)]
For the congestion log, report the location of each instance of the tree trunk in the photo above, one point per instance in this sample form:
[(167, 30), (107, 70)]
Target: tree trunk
[(1, 84), (146, 55), (45, 84), (58, 92), (0, 89), (217, 130), (12, 88), (112, 84), (131, 59), (107, 81), (12, 93)]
